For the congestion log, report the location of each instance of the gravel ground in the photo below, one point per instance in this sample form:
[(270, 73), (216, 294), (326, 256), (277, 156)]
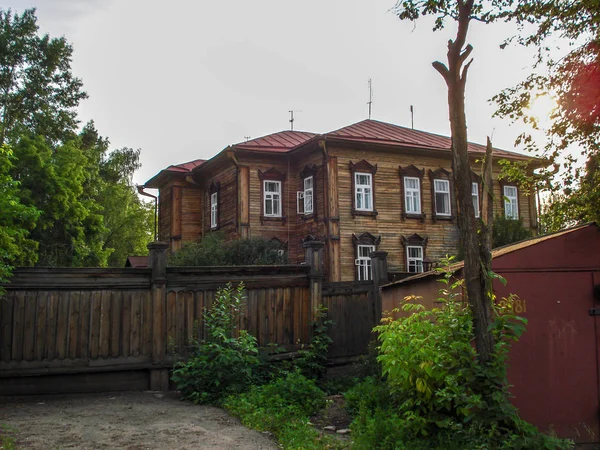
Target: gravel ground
[(132, 420)]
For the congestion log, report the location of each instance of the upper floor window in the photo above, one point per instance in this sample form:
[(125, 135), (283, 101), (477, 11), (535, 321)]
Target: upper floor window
[(363, 191), (442, 197), (272, 198), (411, 184), (308, 195), (272, 188), (475, 197), (214, 208), (414, 258), (412, 195), (511, 202), (363, 188)]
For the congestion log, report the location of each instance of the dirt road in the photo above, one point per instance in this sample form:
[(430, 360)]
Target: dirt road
[(133, 421)]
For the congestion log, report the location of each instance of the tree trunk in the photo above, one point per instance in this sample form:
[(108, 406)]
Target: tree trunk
[(476, 251)]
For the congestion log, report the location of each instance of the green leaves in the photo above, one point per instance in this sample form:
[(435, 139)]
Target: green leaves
[(226, 362)]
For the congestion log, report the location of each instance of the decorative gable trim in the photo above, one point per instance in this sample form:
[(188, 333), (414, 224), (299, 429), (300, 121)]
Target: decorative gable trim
[(363, 166), (366, 239), (308, 171), (271, 174)]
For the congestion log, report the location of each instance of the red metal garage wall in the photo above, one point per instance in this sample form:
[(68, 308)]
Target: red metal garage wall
[(554, 367)]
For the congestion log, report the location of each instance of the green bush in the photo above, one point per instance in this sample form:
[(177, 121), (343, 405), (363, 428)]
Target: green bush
[(283, 407), (507, 231), (227, 361), (438, 395), (212, 250)]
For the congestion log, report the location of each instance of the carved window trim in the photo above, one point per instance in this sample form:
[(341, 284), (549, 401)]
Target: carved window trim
[(272, 174), (307, 172), (441, 174), (215, 189), (415, 241), (363, 167), (411, 172), (363, 264)]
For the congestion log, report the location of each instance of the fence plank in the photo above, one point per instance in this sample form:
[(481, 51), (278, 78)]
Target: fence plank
[(85, 305), (105, 315), (40, 326), (146, 324), (29, 322), (6, 321), (116, 309), (126, 324), (18, 325), (74, 323), (136, 314), (95, 316)]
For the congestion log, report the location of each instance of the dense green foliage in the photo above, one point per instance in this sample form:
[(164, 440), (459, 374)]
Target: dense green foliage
[(429, 394), (40, 95), (284, 407), (212, 250), (16, 220), (506, 231), (576, 205), (224, 363), (89, 212)]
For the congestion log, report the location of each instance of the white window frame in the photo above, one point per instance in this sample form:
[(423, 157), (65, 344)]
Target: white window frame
[(363, 191), (414, 261), (446, 193), (363, 262), (412, 193), (308, 194), (274, 197), (475, 198), (214, 210), (511, 203)]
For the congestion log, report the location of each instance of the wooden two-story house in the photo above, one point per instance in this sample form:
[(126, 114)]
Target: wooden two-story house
[(368, 186)]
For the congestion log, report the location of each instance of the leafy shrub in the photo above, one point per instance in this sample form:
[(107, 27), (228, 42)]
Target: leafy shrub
[(506, 231), (312, 359), (284, 407), (212, 250), (227, 361), (439, 397)]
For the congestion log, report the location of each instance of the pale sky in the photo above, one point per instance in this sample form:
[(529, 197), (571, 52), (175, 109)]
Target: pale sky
[(183, 79)]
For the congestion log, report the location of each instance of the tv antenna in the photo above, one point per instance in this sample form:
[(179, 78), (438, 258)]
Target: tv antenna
[(247, 138), (292, 118), (370, 102)]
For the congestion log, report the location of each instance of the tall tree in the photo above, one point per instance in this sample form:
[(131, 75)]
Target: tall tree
[(16, 220), (476, 245), (573, 81), (38, 92)]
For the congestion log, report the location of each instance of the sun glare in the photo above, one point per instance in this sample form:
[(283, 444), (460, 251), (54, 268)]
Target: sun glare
[(541, 108)]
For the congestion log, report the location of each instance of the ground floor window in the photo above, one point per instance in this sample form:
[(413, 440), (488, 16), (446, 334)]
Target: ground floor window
[(414, 257), (363, 262)]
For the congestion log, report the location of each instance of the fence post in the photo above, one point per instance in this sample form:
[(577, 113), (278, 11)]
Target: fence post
[(379, 267), (157, 261), (314, 258)]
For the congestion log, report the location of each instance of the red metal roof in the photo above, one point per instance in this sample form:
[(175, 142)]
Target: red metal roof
[(280, 142), (374, 131), (185, 167)]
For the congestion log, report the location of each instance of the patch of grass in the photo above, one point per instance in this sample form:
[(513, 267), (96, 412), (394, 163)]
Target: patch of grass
[(7, 438)]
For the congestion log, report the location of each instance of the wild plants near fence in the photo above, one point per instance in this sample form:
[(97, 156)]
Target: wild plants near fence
[(227, 361)]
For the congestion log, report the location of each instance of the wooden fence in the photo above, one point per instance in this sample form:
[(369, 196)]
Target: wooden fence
[(60, 322)]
